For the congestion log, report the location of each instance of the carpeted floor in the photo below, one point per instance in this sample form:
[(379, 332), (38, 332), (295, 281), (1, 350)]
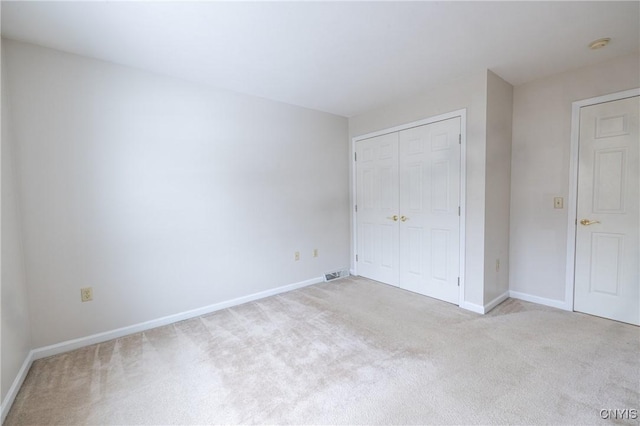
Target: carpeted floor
[(347, 352)]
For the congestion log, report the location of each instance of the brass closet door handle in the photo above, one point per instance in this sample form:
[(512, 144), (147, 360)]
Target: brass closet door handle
[(404, 218), (587, 222), (393, 218)]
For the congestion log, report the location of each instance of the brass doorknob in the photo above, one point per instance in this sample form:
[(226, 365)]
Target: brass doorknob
[(393, 218), (404, 218), (587, 222)]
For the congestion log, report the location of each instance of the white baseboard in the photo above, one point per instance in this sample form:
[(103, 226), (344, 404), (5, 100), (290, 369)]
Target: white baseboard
[(70, 345), (560, 304), (480, 309), (15, 387), (472, 307), (495, 302)]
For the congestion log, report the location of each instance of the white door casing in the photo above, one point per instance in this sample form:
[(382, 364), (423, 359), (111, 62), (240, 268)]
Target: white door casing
[(377, 201), (607, 252), (429, 200)]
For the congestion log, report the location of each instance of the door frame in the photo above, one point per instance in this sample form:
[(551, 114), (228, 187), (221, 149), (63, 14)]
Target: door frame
[(462, 113), (572, 207)]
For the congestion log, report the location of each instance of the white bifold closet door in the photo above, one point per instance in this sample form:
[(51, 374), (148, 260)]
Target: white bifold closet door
[(408, 223)]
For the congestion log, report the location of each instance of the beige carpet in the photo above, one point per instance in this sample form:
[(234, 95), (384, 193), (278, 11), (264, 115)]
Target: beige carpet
[(351, 352)]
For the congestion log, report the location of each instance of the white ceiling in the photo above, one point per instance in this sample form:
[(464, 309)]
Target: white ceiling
[(340, 57)]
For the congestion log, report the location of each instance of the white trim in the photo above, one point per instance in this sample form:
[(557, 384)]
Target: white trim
[(572, 207), (540, 300), (478, 309), (15, 387), (401, 127), (463, 203), (354, 199), (70, 345), (495, 302), (462, 113)]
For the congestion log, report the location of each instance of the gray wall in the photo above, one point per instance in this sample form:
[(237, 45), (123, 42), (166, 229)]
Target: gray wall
[(15, 331), (498, 184), (162, 195), (469, 93), (540, 170)]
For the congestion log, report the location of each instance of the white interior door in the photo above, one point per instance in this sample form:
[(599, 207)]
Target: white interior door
[(429, 217), (377, 204), (607, 282)]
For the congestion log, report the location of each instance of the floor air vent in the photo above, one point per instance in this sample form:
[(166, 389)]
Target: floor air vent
[(335, 275)]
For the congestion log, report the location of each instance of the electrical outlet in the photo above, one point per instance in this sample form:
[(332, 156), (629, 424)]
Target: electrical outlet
[(86, 294), (315, 252), (296, 256)]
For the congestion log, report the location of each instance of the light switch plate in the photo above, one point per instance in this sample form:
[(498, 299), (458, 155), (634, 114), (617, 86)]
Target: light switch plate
[(558, 203)]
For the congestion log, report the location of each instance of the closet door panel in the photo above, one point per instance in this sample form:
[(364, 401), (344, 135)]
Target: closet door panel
[(377, 201), (429, 192)]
